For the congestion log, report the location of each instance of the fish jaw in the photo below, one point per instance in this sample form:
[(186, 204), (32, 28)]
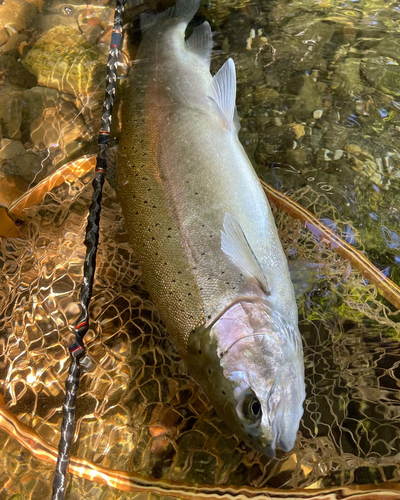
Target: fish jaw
[(249, 363)]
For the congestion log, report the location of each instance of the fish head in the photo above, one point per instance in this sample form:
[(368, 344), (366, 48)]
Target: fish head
[(261, 355), (268, 391), (261, 371)]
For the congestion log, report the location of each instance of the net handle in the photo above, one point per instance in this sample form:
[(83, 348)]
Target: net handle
[(77, 349)]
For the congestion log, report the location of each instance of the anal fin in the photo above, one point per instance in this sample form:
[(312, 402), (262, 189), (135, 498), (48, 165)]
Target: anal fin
[(200, 43)]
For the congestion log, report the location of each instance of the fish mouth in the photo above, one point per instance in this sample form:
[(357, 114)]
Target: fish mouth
[(280, 440), (270, 452), (286, 441), (285, 446)]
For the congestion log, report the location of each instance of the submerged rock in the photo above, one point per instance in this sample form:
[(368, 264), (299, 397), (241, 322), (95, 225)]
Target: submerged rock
[(17, 15), (62, 59), (11, 111), (11, 149), (92, 19), (28, 165), (57, 126), (11, 188), (309, 98), (347, 76), (382, 75)]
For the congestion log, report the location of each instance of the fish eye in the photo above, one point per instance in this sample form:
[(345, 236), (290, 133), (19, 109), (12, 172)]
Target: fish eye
[(252, 409)]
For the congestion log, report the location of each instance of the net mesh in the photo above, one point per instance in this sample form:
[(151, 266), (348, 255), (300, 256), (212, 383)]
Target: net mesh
[(138, 409)]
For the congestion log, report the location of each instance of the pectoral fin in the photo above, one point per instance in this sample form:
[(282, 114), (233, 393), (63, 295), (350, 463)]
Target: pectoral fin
[(234, 244)]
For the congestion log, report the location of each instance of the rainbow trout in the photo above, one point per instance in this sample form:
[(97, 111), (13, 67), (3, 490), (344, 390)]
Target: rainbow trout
[(204, 235)]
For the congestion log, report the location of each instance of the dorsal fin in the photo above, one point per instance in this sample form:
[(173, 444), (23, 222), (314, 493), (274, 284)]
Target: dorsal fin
[(234, 244), (200, 43), (223, 92), (184, 10)]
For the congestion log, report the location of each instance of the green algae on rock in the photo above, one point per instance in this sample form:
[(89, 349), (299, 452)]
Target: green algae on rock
[(62, 59)]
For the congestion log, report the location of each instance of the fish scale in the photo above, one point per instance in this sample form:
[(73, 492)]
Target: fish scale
[(149, 214)]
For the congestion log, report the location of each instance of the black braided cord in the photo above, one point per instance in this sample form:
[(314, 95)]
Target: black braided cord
[(77, 350)]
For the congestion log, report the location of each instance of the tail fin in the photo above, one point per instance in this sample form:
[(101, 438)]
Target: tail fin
[(184, 10)]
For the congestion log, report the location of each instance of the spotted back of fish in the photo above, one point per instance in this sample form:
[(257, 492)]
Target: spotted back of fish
[(164, 257)]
